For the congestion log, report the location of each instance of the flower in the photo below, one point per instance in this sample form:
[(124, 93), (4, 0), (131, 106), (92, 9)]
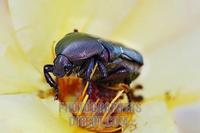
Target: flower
[(166, 32)]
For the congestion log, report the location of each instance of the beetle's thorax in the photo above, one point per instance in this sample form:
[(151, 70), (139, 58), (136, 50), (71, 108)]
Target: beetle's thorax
[(61, 65)]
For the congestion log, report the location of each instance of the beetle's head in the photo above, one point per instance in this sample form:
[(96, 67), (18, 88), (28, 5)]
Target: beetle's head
[(62, 66)]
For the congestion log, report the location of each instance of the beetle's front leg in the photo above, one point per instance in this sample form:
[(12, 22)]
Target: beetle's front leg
[(49, 79), (88, 75)]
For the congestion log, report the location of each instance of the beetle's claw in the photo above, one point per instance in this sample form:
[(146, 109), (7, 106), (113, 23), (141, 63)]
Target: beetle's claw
[(56, 94), (56, 98)]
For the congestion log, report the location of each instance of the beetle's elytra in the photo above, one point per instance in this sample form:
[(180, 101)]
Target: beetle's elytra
[(79, 53)]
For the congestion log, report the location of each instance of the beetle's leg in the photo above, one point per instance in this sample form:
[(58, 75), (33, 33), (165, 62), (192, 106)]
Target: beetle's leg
[(102, 69), (124, 71), (49, 79), (47, 69), (88, 87), (90, 72), (132, 96), (122, 74), (88, 76), (115, 76)]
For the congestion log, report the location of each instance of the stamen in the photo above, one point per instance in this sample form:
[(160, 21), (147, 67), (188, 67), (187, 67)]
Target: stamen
[(83, 105), (86, 86), (84, 90), (93, 71), (110, 105), (95, 104)]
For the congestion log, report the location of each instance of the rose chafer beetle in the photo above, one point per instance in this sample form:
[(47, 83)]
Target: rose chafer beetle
[(79, 53)]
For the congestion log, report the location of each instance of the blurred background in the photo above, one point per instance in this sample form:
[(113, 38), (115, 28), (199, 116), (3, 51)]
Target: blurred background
[(166, 32)]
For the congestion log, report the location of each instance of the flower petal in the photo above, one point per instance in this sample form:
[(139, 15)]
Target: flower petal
[(17, 74), (28, 114), (173, 67), (40, 24), (152, 22), (153, 118), (186, 117)]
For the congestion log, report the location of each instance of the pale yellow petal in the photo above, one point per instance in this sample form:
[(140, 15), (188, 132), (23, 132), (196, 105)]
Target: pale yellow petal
[(153, 117), (17, 74), (152, 22), (39, 24), (36, 24), (173, 67), (165, 31), (28, 114)]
